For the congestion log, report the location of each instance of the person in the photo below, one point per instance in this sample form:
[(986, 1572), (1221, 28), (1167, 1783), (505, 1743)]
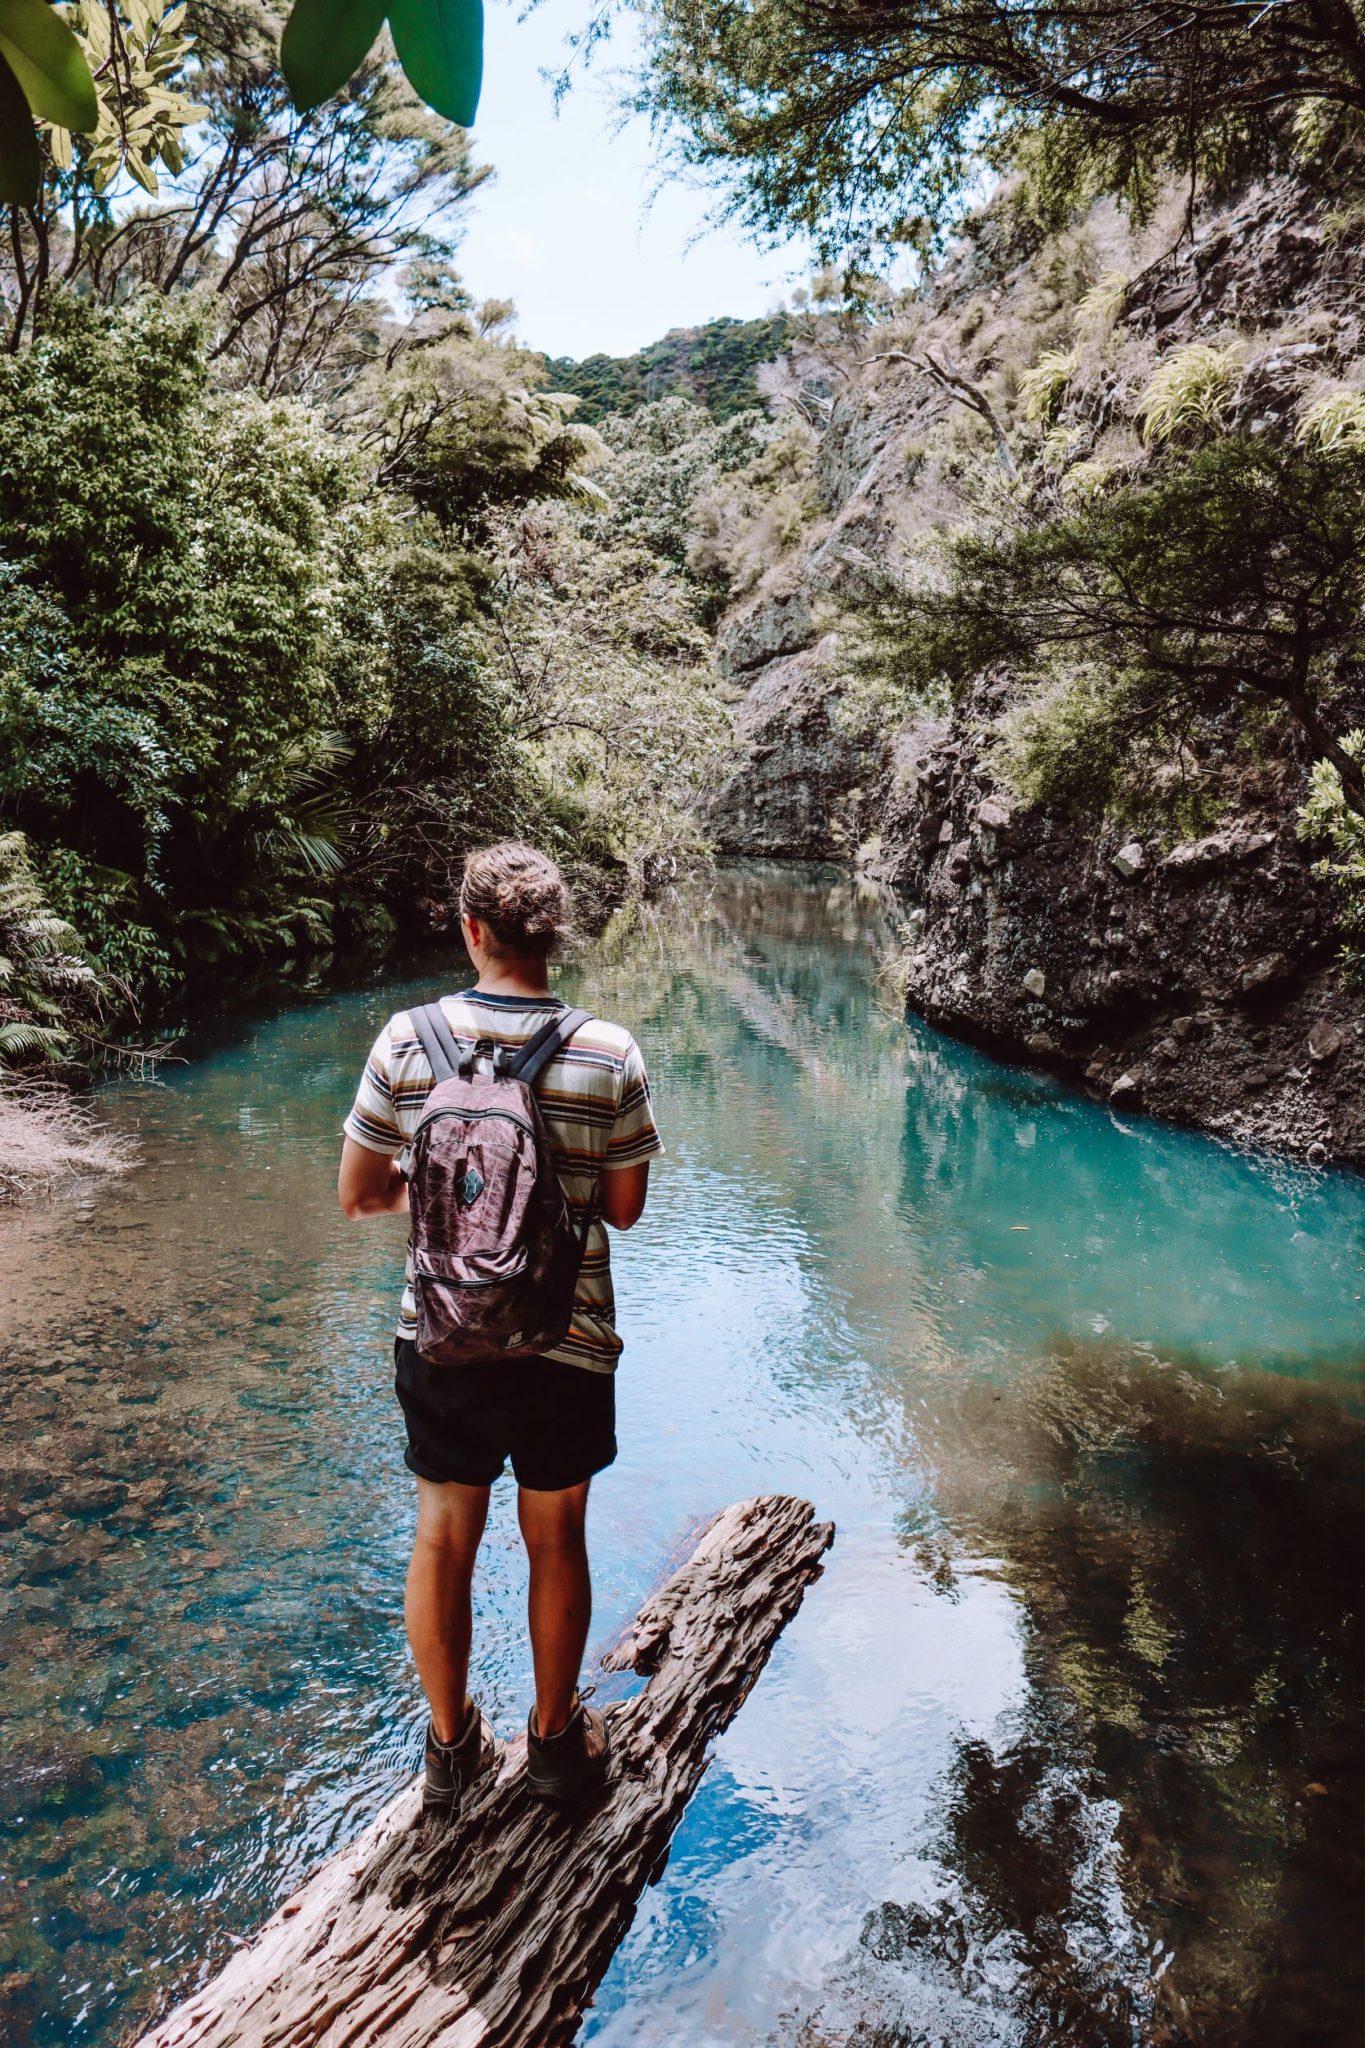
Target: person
[(553, 1415)]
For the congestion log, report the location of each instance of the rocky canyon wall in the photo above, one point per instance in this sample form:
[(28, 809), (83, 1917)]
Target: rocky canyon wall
[(1190, 973)]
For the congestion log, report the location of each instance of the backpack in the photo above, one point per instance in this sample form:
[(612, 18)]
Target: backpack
[(495, 1255)]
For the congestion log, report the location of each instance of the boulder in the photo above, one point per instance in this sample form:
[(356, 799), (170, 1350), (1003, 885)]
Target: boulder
[(775, 626), (1194, 858), (1326, 1040), (1262, 973)]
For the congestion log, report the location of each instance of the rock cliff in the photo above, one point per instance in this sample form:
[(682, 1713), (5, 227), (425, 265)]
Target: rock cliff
[(1189, 973), (1195, 980)]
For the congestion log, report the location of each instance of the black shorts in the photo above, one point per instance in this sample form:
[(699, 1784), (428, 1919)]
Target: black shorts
[(556, 1422)]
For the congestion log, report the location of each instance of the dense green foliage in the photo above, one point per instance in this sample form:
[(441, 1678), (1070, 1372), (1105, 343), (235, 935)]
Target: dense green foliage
[(858, 123), (208, 632), (1231, 577), (46, 981), (300, 596), (713, 366), (250, 706)]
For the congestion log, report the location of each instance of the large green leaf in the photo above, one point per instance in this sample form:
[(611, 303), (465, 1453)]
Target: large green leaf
[(20, 167), (48, 63), (325, 42), (440, 47)]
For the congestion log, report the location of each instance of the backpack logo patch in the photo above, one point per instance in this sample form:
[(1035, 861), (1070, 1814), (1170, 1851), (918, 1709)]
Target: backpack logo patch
[(471, 1187)]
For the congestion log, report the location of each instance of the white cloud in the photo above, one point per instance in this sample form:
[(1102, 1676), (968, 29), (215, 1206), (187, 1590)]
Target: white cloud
[(522, 248)]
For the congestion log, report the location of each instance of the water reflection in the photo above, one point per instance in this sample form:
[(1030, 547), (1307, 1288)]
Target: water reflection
[(1059, 1750)]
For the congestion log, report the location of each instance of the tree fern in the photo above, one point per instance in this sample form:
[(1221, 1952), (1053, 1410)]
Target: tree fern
[(48, 986)]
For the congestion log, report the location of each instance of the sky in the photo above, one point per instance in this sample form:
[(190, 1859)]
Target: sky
[(567, 228)]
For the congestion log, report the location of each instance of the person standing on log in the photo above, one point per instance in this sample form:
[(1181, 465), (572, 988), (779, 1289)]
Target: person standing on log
[(552, 1413)]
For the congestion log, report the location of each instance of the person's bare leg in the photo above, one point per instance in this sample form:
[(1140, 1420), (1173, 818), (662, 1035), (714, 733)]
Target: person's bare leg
[(559, 1606), (437, 1605)]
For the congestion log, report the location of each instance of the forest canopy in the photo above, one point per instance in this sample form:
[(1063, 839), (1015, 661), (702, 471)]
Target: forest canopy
[(303, 565), (866, 121), (714, 366)]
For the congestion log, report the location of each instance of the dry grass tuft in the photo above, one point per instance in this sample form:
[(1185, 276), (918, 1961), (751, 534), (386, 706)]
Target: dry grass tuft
[(48, 1143)]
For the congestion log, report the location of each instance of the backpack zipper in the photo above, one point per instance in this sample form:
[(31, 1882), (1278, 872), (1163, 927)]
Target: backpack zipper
[(473, 1116), (494, 1280)]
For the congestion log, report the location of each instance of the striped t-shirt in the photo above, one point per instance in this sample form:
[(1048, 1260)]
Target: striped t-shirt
[(594, 1097)]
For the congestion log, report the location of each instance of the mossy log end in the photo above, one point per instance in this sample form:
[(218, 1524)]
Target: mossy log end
[(495, 1931)]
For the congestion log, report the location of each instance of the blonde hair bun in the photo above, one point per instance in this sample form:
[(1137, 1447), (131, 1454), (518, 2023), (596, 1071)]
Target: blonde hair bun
[(520, 895)]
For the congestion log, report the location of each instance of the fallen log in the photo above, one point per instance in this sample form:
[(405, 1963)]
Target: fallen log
[(495, 1931)]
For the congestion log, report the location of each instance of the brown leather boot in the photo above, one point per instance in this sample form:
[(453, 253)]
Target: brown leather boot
[(451, 1767), (567, 1767)]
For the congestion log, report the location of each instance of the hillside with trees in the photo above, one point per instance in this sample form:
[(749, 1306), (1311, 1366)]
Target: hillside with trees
[(1056, 606), (310, 574), (299, 587), (714, 367)]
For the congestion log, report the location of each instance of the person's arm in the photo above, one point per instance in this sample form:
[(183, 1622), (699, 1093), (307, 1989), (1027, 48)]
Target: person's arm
[(622, 1194), (624, 1182), (369, 1184)]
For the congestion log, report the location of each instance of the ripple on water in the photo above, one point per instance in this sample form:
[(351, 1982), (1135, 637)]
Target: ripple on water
[(1063, 1746)]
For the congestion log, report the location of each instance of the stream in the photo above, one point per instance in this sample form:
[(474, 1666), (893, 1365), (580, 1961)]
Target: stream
[(1064, 1748)]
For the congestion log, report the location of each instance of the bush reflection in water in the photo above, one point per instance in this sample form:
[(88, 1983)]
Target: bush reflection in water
[(1061, 1749), (1165, 1842)]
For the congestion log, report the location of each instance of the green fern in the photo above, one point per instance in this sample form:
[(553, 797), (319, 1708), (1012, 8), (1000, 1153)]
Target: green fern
[(20, 1041), (318, 819), (47, 984)]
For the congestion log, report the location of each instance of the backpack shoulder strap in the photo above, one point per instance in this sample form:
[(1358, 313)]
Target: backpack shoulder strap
[(550, 1039), (439, 1042)]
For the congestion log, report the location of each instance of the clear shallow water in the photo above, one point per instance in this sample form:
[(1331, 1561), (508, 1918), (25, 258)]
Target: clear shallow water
[(1065, 1745)]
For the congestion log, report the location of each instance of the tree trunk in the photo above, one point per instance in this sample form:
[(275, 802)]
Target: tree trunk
[(494, 1932)]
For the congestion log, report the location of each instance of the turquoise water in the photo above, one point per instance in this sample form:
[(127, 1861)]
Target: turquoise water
[(1064, 1745)]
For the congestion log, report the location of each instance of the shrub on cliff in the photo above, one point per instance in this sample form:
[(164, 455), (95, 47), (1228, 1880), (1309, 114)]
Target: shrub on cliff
[(1331, 819), (1228, 580)]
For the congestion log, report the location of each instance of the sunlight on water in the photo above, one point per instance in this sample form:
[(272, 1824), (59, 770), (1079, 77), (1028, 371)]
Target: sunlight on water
[(1059, 1749)]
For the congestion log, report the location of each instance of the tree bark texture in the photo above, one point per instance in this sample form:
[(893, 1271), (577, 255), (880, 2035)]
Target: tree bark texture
[(494, 1931)]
